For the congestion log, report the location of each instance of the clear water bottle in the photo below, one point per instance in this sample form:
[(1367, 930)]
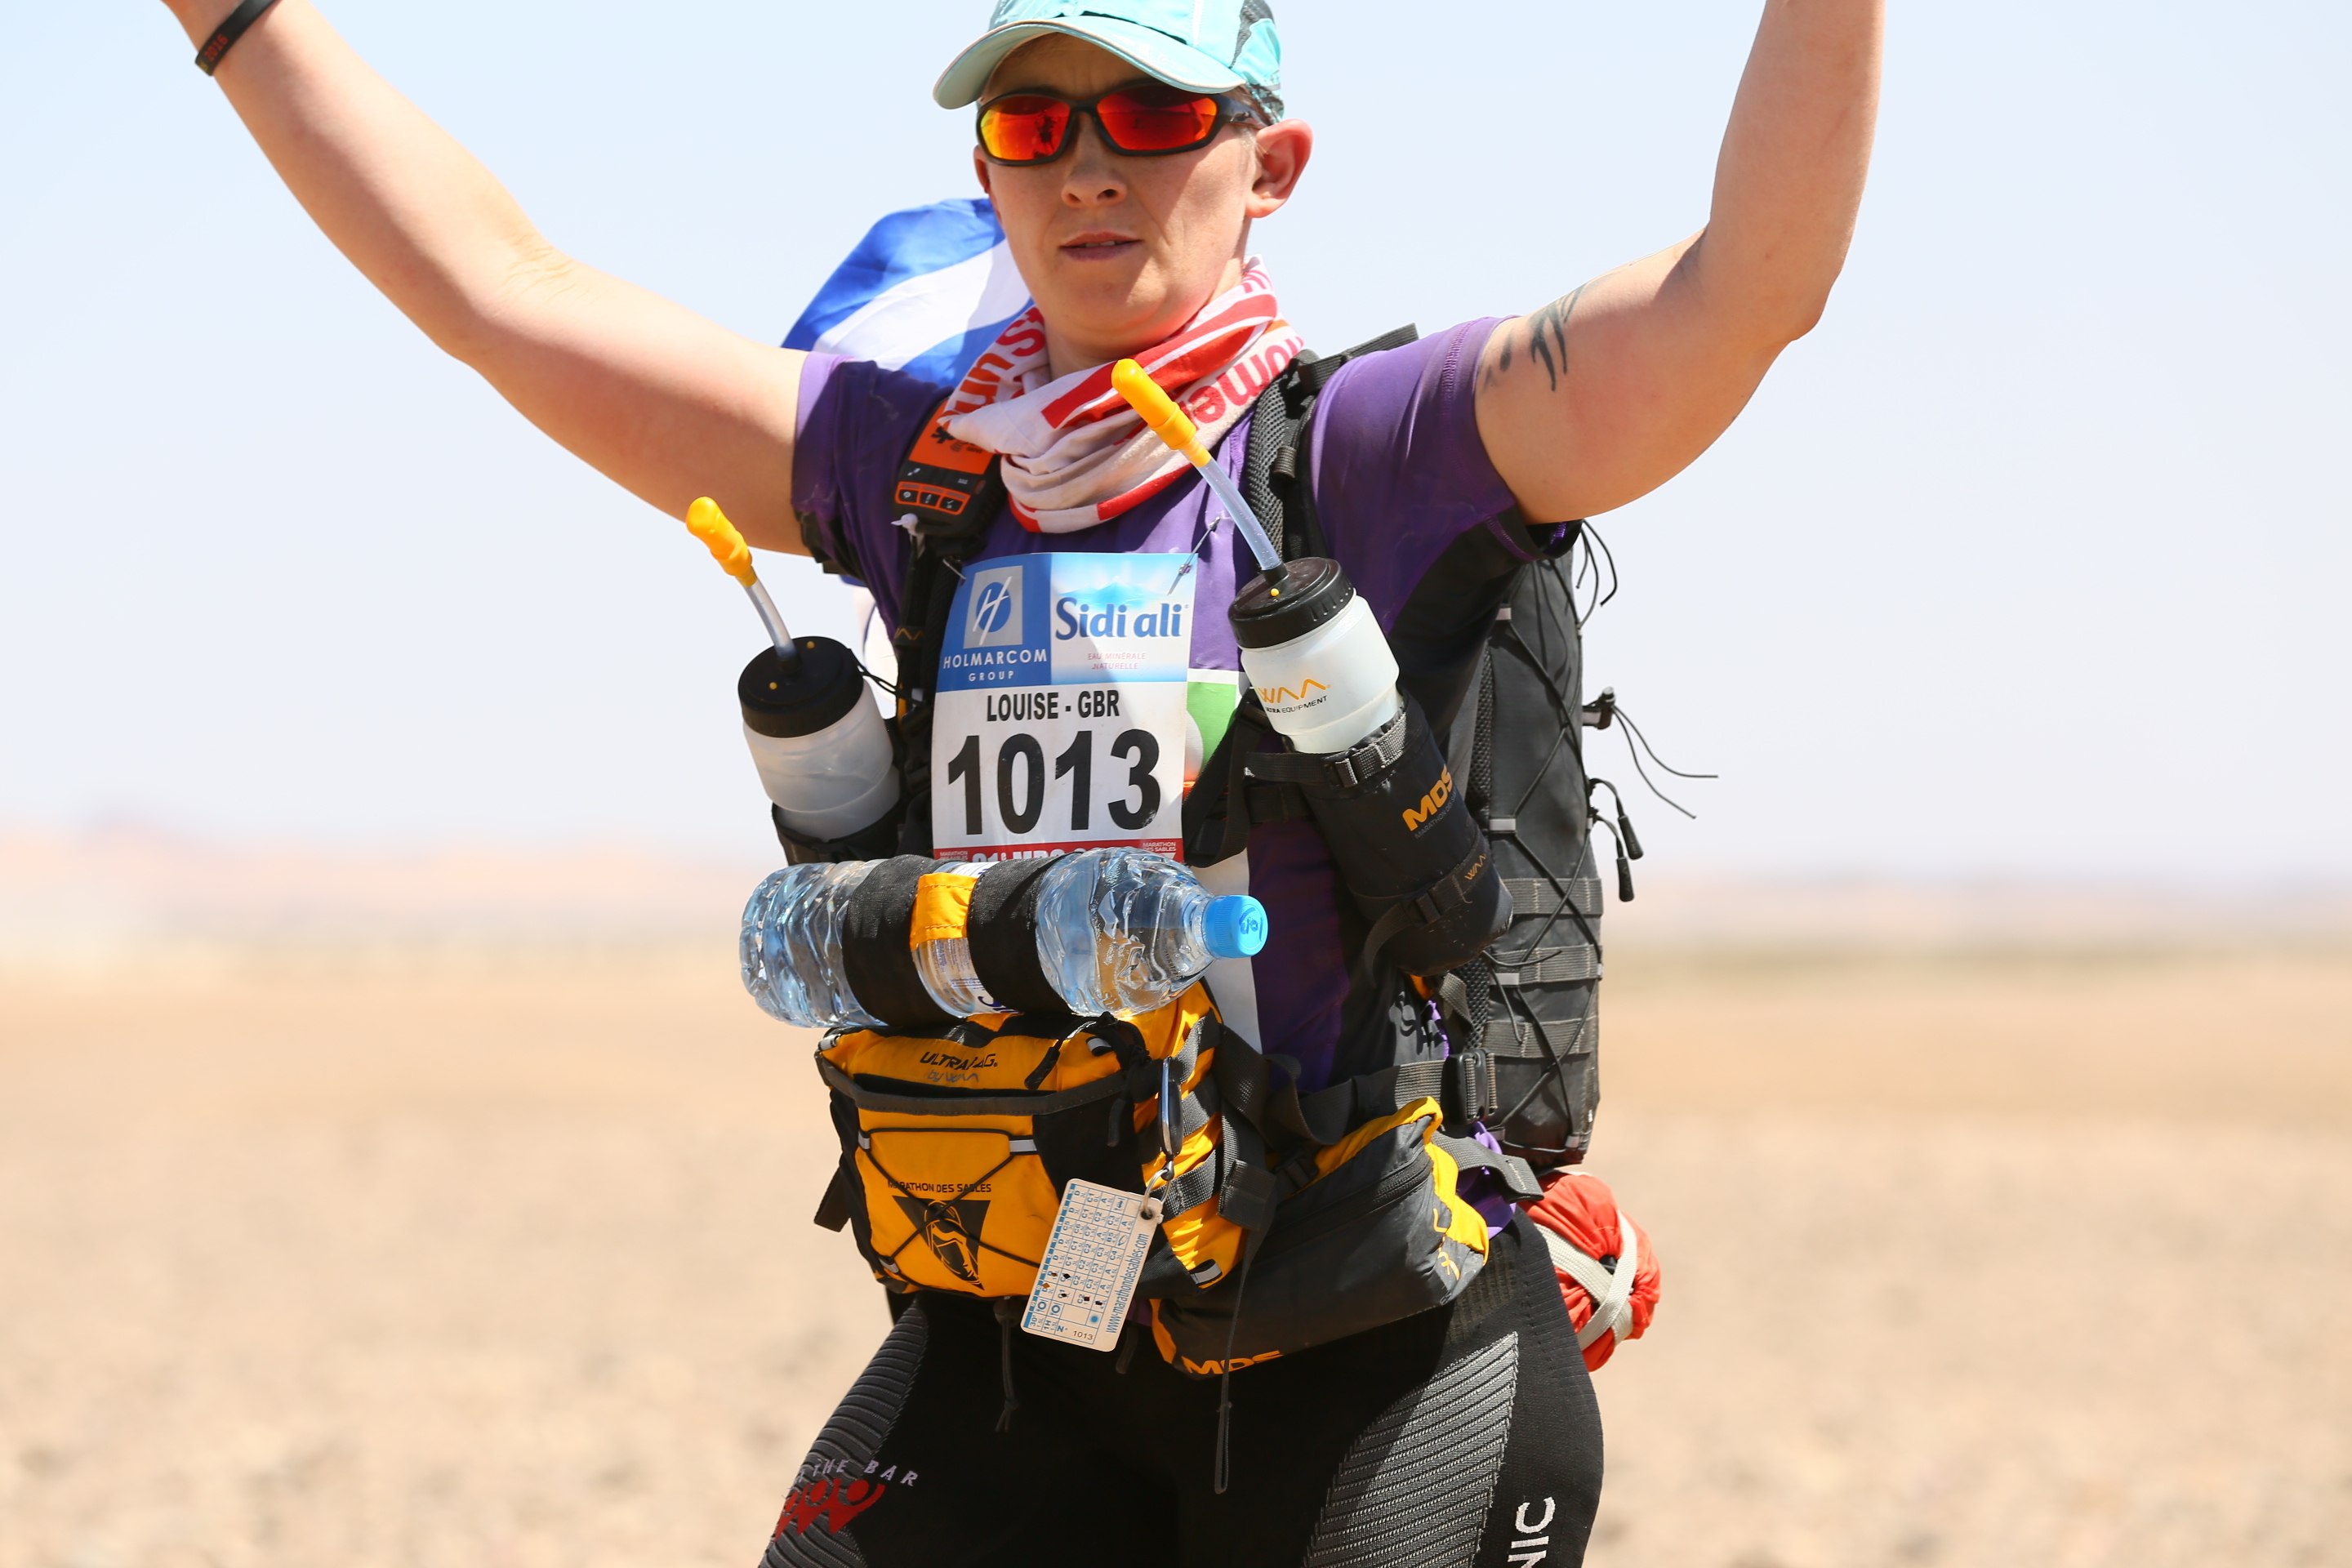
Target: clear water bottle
[(1116, 930), (792, 945), (1126, 931)]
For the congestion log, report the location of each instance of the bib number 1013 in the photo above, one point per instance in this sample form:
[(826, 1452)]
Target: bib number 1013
[(1013, 791)]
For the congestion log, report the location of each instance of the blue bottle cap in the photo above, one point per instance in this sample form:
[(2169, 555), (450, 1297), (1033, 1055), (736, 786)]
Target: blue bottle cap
[(1235, 927)]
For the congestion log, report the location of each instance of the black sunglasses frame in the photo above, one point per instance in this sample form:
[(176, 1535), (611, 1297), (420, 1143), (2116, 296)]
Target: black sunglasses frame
[(1231, 111)]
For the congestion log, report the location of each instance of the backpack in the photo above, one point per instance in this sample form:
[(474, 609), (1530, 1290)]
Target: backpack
[(1491, 647), (1490, 644)]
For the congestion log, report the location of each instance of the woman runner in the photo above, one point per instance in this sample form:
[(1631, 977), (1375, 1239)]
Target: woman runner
[(1129, 147)]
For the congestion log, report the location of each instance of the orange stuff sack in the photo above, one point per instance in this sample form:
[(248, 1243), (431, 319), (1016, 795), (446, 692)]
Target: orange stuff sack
[(1588, 1238)]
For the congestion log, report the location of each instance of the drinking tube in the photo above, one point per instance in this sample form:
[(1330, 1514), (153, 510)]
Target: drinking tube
[(1168, 422), (708, 524)]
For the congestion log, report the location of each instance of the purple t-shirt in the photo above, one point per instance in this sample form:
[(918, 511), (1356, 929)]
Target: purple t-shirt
[(1398, 473)]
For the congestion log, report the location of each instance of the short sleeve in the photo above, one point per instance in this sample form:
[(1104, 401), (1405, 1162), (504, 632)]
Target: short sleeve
[(1399, 469), (855, 423)]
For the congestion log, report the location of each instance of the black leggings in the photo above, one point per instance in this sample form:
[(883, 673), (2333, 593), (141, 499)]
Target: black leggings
[(1461, 1438)]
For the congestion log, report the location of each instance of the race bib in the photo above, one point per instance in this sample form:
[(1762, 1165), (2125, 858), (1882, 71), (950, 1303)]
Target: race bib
[(1061, 719)]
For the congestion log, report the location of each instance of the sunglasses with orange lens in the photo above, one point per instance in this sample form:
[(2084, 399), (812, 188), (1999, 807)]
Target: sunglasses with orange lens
[(1149, 120)]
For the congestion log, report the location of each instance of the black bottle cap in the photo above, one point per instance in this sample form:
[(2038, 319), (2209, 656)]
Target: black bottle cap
[(828, 685), (1286, 604)]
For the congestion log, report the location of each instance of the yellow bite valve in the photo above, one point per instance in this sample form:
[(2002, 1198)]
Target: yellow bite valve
[(1169, 424), (1159, 410), (708, 524)]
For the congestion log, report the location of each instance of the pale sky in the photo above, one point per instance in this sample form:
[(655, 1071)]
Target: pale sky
[(2030, 560)]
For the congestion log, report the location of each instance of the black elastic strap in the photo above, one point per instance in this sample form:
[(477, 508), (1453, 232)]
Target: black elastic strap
[(1433, 902), (1002, 934), (217, 48), (1008, 1310), (874, 956), (1358, 764)]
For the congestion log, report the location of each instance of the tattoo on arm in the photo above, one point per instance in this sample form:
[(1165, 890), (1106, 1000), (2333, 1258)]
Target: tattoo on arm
[(1547, 337)]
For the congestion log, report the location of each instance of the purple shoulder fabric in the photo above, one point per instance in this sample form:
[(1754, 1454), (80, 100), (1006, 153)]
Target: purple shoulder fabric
[(855, 423), (1400, 471)]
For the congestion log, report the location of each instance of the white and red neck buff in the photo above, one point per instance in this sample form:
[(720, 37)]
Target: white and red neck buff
[(1075, 454)]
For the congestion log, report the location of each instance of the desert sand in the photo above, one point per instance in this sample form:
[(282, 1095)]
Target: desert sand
[(499, 1254)]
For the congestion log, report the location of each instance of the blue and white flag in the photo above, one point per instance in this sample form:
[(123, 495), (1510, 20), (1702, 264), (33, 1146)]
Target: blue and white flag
[(926, 291)]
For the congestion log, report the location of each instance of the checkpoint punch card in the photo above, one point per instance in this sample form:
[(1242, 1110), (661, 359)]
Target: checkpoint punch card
[(1092, 1262)]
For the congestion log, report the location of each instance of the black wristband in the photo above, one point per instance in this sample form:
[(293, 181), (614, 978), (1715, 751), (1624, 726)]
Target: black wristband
[(208, 59)]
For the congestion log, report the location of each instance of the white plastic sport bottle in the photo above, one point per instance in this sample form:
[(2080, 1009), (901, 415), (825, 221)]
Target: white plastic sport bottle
[(817, 739), (1316, 654)]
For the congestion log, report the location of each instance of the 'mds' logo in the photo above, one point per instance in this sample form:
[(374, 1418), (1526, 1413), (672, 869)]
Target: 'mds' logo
[(993, 617), (1417, 816)]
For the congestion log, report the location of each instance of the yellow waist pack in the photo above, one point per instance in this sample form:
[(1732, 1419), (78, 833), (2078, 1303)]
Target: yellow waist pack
[(1287, 1220), (956, 1145)]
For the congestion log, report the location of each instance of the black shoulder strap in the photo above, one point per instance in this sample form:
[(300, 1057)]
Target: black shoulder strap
[(947, 491), (1224, 801), (1274, 465)]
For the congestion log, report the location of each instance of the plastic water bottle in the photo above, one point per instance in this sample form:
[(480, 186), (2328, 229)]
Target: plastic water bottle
[(792, 945), (1126, 931), (1117, 930)]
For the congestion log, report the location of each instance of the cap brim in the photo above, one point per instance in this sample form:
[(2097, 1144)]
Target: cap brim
[(1149, 51)]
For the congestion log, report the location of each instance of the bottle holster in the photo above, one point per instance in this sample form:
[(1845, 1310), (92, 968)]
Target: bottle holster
[(1405, 848)]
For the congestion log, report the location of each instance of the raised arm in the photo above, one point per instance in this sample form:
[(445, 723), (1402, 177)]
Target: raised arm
[(667, 404), (1602, 395)]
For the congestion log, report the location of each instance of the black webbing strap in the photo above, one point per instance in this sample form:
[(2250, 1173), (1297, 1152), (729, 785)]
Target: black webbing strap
[(1195, 1186), (1537, 896), (1433, 902), (1518, 1176), (1367, 760), (1246, 1079), (1547, 966), (1314, 372), (1213, 829), (951, 492), (1274, 463), (1236, 1174), (1540, 1040), (1390, 1090)]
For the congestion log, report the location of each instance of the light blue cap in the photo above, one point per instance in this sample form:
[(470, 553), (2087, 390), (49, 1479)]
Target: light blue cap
[(1209, 46), (1234, 926)]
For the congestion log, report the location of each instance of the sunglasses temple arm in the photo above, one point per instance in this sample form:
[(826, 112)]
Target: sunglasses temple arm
[(1168, 422)]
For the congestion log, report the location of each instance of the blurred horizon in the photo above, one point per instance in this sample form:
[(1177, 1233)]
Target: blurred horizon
[(109, 888)]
